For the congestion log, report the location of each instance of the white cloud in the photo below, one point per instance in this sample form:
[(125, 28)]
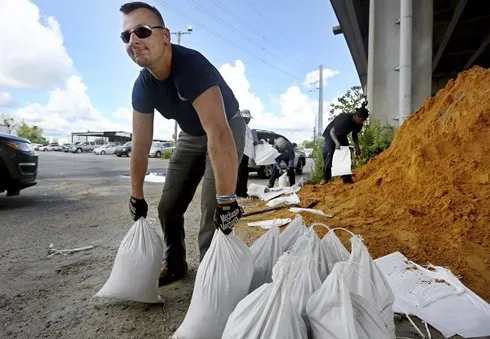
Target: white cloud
[(69, 109), (313, 77), (32, 51), (6, 99), (298, 111)]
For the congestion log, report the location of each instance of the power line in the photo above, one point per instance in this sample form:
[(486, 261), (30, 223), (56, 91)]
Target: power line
[(245, 24), (229, 41), (266, 19), (233, 29)]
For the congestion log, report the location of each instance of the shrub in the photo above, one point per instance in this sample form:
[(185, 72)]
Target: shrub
[(317, 172), (373, 139), (167, 154)]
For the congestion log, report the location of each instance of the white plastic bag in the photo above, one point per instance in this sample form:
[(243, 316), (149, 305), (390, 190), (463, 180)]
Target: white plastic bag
[(306, 279), (291, 199), (222, 280), (293, 231), (266, 250), (137, 265), (283, 180), (341, 161), (268, 311), (265, 154)]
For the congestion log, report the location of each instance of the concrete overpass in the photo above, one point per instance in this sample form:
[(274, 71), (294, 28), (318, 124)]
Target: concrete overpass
[(406, 50)]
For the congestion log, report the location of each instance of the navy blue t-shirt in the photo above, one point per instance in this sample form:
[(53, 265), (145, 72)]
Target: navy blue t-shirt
[(191, 75)]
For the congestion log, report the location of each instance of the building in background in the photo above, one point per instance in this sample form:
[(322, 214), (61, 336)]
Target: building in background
[(406, 50)]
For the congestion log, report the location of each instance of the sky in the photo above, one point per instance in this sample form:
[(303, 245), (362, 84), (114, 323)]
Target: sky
[(64, 68)]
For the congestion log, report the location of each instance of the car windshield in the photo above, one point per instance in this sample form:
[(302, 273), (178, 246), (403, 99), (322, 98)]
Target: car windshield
[(155, 144), (127, 144)]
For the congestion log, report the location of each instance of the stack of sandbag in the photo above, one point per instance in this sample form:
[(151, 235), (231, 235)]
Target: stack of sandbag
[(335, 294), (223, 279), (355, 301)]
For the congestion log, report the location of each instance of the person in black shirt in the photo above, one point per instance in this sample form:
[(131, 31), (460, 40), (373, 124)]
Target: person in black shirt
[(181, 84), (336, 135), (286, 150)]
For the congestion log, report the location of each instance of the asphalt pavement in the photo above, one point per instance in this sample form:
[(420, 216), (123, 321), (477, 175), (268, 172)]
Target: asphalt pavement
[(63, 166)]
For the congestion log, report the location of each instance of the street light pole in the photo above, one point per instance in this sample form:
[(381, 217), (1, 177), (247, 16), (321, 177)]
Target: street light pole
[(179, 39)]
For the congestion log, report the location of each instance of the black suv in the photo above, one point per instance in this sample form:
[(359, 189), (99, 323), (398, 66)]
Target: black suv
[(18, 164)]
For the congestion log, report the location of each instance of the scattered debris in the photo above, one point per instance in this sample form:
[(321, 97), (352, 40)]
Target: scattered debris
[(53, 251)]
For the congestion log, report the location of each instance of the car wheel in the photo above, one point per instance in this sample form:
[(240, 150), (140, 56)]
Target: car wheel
[(265, 172), (158, 154), (79, 150), (102, 153), (299, 167)]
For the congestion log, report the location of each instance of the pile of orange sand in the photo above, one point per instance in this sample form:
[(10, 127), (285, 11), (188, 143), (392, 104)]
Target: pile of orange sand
[(428, 195)]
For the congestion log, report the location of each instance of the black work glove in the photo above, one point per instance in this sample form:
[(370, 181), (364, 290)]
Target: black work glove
[(138, 208), (226, 216)]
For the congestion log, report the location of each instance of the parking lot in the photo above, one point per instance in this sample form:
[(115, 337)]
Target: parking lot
[(81, 200)]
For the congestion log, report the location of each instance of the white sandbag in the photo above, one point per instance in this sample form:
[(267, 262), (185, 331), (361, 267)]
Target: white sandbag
[(335, 312), (266, 250), (319, 259), (367, 280), (265, 154), (293, 231), (334, 250), (329, 309), (306, 280), (341, 161), (222, 280), (268, 311), (137, 265), (283, 180)]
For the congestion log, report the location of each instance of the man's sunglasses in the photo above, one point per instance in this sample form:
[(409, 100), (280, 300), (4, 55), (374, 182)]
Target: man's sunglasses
[(141, 32)]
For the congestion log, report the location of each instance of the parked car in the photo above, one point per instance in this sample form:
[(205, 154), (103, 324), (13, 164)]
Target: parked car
[(49, 147), (67, 147), (308, 152), (269, 137), (105, 149), (18, 164), (123, 150), (86, 146), (158, 148)]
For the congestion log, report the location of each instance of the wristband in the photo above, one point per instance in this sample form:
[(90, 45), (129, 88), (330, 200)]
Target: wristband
[(228, 197)]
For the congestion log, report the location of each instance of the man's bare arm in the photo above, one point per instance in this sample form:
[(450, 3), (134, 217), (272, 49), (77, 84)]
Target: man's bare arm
[(141, 144), (334, 138), (221, 145)]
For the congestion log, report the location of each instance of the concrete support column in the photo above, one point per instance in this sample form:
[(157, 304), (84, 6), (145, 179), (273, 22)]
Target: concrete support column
[(384, 58), (422, 21)]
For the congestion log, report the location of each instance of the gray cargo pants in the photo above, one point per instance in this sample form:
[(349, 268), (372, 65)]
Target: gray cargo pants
[(189, 164)]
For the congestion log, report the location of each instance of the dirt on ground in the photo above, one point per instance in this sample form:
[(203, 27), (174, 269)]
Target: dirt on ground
[(428, 194)]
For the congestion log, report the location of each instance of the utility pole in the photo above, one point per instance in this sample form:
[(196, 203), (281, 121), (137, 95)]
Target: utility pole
[(320, 104), (179, 39)]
